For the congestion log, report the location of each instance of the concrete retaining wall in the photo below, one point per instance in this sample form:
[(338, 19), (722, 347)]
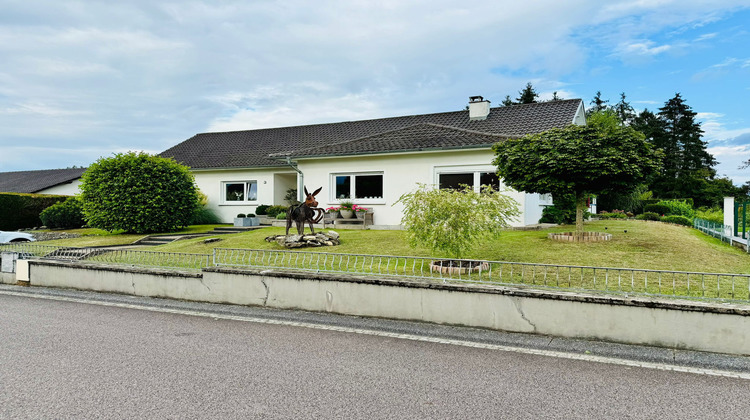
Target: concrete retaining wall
[(714, 327)]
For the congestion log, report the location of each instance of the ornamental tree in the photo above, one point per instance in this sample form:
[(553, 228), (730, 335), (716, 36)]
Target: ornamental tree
[(452, 221), (138, 193), (583, 160)]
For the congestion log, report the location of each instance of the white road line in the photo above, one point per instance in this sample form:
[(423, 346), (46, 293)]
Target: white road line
[(537, 352)]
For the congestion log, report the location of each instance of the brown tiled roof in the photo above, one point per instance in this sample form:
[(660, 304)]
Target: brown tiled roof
[(251, 148), (35, 181)]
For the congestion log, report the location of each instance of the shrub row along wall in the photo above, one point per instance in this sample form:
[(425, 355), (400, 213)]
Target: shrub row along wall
[(674, 324), (19, 211)]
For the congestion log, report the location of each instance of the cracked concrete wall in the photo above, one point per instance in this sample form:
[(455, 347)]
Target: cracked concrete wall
[(667, 323)]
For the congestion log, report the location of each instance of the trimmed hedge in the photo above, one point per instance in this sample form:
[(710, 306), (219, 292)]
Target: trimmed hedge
[(262, 209), (678, 220), (649, 216), (612, 215), (20, 211), (65, 215)]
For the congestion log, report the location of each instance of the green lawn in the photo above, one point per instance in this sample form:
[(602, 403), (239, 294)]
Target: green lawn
[(98, 237), (650, 245)]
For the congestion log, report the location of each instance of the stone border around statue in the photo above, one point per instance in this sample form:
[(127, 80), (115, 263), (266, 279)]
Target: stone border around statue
[(329, 238)]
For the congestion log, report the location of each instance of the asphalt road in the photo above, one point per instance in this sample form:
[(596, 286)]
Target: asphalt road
[(65, 359)]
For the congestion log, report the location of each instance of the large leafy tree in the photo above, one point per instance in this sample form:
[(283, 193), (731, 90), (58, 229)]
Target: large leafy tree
[(582, 160), (138, 192)]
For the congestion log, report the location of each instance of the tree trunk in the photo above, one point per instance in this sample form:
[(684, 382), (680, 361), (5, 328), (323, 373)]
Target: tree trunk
[(580, 206)]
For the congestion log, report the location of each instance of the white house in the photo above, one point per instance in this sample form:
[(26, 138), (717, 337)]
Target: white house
[(370, 162)]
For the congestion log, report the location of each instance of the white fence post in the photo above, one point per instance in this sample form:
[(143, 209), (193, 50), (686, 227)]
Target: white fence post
[(729, 216)]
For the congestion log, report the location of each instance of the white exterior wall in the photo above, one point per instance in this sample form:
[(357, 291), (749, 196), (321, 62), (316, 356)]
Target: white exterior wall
[(401, 174), (63, 189), (210, 183)]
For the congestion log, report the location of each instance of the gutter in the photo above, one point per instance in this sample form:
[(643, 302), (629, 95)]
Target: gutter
[(300, 180)]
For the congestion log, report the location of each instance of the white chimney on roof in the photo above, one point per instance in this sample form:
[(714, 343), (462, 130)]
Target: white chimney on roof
[(479, 108)]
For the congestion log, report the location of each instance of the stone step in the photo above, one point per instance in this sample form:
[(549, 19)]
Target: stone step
[(232, 229)]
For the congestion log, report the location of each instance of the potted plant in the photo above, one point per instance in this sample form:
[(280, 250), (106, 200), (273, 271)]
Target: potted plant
[(359, 211), (243, 220), (334, 212), (346, 209)]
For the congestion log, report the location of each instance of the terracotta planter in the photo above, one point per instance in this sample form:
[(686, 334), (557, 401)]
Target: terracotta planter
[(458, 266)]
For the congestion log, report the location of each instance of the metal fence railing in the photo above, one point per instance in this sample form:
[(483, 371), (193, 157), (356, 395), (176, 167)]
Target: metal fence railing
[(605, 279), (122, 256), (547, 276), (717, 230)]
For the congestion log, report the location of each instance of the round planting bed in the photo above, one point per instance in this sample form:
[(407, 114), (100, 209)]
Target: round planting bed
[(458, 266), (580, 237)]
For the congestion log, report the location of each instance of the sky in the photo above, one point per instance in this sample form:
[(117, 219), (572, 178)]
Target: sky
[(80, 80)]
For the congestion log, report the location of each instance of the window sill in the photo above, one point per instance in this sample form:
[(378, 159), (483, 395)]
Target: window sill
[(239, 203)]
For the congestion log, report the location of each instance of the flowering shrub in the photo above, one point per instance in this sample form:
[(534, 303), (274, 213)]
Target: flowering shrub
[(359, 209), (333, 209)]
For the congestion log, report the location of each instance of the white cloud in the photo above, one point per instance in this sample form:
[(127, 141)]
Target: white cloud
[(145, 74), (643, 47)]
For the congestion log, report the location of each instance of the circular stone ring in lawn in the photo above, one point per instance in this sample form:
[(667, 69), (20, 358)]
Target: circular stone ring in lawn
[(580, 237)]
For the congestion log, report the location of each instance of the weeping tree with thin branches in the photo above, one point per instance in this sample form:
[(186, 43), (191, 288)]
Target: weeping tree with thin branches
[(453, 221), (603, 157)]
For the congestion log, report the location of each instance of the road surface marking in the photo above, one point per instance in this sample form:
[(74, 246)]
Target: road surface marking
[(412, 337)]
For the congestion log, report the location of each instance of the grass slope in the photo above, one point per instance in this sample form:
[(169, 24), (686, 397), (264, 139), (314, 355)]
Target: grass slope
[(650, 245)]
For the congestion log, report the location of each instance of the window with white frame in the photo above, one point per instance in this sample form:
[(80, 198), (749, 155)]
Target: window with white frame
[(476, 178), (363, 187), (239, 191)]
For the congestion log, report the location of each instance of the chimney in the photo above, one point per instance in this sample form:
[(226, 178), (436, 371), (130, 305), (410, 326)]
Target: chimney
[(479, 108)]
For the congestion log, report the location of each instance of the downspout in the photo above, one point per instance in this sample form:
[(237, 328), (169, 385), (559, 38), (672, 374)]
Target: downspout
[(300, 180)]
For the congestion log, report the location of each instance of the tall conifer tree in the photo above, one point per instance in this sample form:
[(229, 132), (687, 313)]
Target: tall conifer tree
[(528, 95)]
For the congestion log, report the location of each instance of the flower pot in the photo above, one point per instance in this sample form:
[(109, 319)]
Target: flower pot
[(360, 214), (347, 214), (246, 221)]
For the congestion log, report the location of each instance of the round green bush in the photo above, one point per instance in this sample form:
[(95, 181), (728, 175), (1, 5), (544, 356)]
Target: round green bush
[(65, 215), (656, 208), (679, 220), (649, 216), (241, 215), (272, 211), (262, 209), (281, 216), (138, 193)]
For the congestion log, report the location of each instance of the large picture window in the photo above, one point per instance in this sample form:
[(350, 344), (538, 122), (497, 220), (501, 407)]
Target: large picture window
[(475, 179), (240, 191), (362, 187)]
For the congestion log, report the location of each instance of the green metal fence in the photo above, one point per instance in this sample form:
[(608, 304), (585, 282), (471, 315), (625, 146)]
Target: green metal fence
[(717, 230), (741, 219)]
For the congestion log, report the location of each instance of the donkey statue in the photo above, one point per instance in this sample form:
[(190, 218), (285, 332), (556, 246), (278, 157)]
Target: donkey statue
[(306, 212)]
